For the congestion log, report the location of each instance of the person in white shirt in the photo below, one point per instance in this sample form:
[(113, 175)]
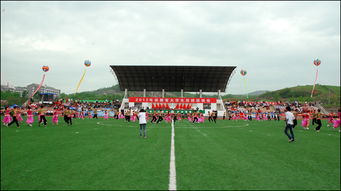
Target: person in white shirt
[(143, 122), (289, 120)]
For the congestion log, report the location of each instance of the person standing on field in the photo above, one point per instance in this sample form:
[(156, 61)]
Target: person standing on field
[(143, 123), (318, 120), (41, 113), (215, 115), (295, 120), (289, 120)]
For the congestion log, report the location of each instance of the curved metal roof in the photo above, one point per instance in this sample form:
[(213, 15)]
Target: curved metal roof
[(173, 78)]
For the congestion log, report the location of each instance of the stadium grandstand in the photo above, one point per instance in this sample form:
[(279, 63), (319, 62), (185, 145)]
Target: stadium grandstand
[(174, 79)]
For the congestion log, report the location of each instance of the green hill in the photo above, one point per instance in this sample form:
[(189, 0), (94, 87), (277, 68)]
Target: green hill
[(108, 93), (329, 96)]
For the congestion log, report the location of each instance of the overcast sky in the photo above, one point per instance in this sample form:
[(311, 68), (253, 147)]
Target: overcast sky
[(276, 42)]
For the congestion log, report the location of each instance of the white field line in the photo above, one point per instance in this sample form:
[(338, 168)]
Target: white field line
[(198, 130), (204, 134), (172, 170), (193, 126)]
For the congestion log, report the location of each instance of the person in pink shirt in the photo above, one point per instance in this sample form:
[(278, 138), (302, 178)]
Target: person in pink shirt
[(336, 122), (30, 118), (55, 116), (305, 121), (7, 119), (106, 115), (330, 119), (18, 115)]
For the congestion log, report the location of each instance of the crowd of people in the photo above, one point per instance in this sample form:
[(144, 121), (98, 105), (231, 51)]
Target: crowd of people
[(267, 110), (234, 111)]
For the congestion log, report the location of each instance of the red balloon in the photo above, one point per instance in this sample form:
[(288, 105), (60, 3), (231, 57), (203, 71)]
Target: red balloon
[(45, 68), (317, 62)]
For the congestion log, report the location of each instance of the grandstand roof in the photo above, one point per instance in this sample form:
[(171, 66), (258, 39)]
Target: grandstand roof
[(173, 78)]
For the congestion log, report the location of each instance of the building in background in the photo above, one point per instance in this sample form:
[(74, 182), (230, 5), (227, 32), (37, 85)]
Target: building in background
[(45, 92), (52, 93), (20, 90), (7, 87)]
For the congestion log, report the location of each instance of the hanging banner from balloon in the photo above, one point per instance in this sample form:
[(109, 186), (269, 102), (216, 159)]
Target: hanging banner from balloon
[(45, 69), (317, 62), (87, 63), (243, 73), (80, 81)]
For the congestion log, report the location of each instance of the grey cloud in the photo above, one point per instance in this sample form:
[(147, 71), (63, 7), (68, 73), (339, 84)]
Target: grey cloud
[(275, 42)]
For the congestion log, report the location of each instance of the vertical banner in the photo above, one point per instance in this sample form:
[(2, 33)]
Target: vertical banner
[(80, 81), (41, 83), (312, 91), (316, 62)]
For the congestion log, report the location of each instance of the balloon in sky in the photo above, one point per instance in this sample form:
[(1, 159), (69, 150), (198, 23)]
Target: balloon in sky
[(87, 63), (243, 72), (317, 62), (45, 68)]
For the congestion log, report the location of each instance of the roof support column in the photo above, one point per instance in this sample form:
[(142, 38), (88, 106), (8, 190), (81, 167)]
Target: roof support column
[(182, 92), (163, 93), (200, 93), (219, 97), (144, 92), (125, 93)]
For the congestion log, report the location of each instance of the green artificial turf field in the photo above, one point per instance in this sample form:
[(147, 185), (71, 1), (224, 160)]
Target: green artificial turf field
[(230, 155)]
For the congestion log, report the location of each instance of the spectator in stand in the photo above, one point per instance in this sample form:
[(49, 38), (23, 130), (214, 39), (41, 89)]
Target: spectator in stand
[(95, 113)]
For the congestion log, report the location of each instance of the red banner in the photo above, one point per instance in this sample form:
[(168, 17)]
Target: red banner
[(172, 100)]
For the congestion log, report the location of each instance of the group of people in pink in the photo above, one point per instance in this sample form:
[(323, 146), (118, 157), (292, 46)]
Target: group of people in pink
[(196, 117), (315, 118), (334, 122), (14, 115), (157, 117)]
